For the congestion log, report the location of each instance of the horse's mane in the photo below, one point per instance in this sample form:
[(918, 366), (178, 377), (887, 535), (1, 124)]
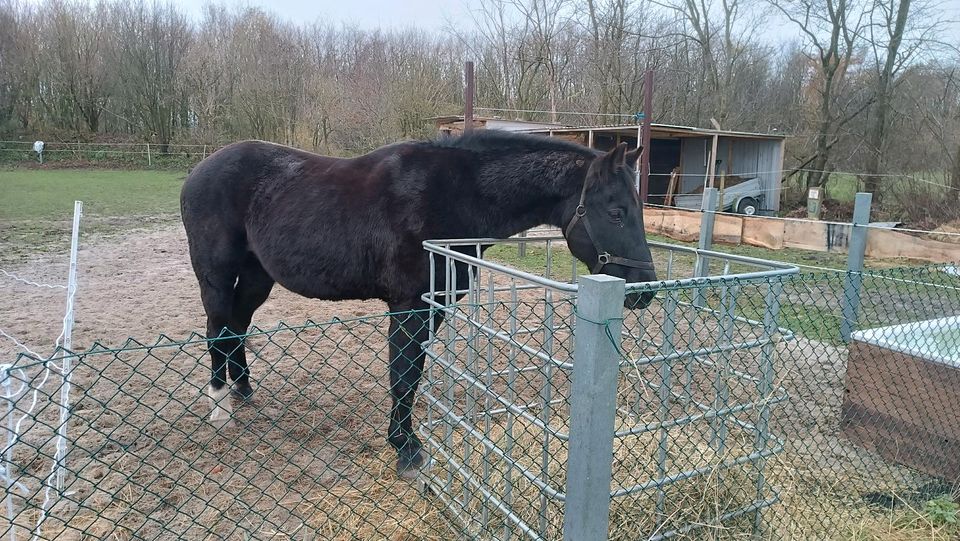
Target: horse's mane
[(484, 140)]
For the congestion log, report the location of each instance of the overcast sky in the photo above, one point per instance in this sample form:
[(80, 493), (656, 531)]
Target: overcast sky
[(435, 15), (426, 14)]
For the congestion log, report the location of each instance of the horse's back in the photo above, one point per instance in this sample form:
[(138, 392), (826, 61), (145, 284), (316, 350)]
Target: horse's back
[(292, 210)]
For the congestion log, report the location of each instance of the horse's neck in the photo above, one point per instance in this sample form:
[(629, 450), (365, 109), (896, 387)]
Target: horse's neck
[(524, 203)]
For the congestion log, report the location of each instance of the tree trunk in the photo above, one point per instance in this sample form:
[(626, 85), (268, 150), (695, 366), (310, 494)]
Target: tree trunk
[(955, 172), (882, 104), (818, 176)]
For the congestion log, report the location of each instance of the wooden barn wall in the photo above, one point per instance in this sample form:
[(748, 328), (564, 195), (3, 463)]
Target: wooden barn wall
[(693, 163)]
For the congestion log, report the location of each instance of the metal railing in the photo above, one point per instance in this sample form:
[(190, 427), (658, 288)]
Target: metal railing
[(498, 390)]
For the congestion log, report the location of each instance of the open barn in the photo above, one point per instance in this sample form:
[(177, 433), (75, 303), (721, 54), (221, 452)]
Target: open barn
[(681, 153)]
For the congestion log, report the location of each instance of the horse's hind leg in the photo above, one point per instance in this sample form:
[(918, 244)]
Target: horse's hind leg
[(407, 332), (252, 289), (216, 291)]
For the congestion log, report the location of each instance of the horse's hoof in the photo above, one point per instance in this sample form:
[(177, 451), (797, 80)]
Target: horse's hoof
[(243, 392), (222, 422), (410, 465)]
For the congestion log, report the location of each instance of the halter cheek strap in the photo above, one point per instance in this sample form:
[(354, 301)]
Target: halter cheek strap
[(603, 257)]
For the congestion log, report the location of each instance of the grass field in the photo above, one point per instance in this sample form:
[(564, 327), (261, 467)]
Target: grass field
[(33, 193), (36, 205)]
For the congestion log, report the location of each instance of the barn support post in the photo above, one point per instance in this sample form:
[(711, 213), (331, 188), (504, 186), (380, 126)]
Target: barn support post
[(593, 396), (468, 92), (638, 167), (645, 135), (855, 254)]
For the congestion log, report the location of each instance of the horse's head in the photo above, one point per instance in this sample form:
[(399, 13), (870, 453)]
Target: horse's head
[(605, 227)]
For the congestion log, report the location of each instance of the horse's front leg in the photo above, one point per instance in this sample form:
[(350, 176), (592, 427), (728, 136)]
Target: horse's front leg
[(407, 332)]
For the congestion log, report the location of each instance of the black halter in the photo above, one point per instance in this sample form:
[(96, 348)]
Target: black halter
[(603, 257)]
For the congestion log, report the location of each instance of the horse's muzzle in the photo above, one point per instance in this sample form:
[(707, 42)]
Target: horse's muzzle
[(637, 301)]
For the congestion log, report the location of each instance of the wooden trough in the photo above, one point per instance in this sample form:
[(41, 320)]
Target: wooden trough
[(901, 394)]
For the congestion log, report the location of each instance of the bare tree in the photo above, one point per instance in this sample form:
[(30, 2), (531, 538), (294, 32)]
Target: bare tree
[(20, 73), (608, 25), (895, 39), (547, 19), (832, 30), (78, 41), (718, 28), (150, 58)]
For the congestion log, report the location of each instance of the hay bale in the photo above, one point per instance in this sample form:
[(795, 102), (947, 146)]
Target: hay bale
[(699, 500)]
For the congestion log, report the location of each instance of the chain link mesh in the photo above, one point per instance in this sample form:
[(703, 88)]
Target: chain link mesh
[(741, 410)]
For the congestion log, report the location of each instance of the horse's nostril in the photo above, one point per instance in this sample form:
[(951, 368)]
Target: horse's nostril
[(634, 301)]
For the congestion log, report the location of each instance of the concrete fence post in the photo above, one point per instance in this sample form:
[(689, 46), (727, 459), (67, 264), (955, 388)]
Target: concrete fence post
[(593, 396), (707, 216), (855, 254)]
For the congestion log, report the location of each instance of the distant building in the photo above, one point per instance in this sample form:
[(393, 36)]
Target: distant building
[(683, 149)]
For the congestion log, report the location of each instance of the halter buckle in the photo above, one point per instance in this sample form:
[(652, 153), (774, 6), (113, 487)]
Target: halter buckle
[(581, 211), (604, 258)]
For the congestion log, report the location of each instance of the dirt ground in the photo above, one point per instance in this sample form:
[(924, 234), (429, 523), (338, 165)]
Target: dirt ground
[(139, 286), (307, 458), (148, 462)]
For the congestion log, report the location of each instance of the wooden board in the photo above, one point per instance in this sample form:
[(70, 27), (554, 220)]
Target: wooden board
[(727, 229), (903, 408), (763, 232), (805, 235), (773, 233), (883, 243), (676, 224)]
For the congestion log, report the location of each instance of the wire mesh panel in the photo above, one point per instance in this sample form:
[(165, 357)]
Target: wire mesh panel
[(870, 432), (306, 459), (741, 410), (697, 383)]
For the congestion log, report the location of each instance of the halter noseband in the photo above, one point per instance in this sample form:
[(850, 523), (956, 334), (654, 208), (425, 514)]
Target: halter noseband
[(603, 257)]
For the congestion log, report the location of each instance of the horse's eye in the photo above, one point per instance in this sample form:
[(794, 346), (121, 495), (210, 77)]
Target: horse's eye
[(615, 215)]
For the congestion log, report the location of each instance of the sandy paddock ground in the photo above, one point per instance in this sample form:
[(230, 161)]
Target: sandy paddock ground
[(307, 458)]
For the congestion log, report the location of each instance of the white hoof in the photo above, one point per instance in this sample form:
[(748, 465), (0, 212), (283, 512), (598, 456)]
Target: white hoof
[(221, 410), (222, 422)]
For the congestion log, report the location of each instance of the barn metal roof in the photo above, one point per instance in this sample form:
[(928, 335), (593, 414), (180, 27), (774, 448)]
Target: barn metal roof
[(669, 130), (662, 130)]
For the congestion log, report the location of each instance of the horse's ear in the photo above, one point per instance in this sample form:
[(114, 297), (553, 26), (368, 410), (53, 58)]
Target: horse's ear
[(632, 156), (616, 155)]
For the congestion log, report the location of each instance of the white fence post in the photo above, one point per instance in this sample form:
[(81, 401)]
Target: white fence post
[(7, 466), (593, 396), (149, 161), (67, 363), (855, 254)]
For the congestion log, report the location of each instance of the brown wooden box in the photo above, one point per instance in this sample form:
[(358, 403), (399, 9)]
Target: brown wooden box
[(905, 408)]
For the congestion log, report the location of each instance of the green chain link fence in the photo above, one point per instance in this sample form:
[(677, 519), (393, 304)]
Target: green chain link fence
[(738, 410)]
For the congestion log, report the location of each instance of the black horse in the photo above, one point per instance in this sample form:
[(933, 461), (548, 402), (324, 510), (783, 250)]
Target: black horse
[(257, 213)]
